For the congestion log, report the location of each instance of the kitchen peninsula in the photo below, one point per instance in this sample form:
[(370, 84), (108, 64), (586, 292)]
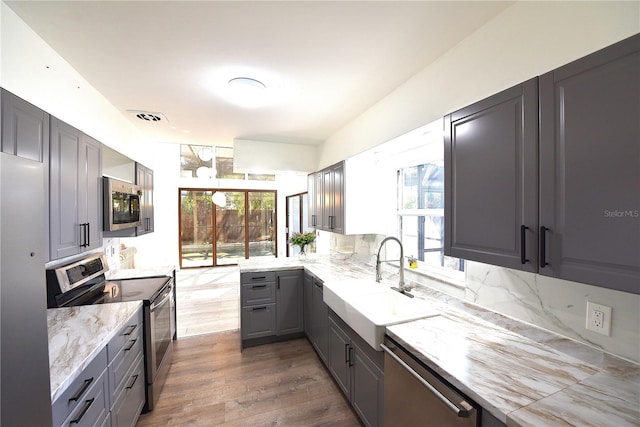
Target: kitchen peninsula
[(520, 374)]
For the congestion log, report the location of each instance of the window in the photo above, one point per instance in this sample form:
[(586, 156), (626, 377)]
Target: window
[(421, 218), (203, 161)]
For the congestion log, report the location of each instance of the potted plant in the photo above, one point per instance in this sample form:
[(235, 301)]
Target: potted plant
[(302, 240)]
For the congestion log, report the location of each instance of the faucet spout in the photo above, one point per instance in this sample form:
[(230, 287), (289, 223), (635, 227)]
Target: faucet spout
[(379, 262)]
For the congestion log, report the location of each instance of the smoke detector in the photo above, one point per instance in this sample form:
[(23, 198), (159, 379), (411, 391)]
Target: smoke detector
[(148, 116)]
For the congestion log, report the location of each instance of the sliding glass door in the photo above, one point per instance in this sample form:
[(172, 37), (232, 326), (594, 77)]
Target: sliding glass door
[(245, 226)]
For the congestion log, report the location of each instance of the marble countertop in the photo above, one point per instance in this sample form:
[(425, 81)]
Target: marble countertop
[(521, 374), (78, 334)]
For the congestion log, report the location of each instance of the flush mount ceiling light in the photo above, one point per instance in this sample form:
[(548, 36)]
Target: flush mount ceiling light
[(247, 92)]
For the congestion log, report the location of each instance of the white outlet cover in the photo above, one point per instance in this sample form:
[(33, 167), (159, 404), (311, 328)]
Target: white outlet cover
[(592, 308)]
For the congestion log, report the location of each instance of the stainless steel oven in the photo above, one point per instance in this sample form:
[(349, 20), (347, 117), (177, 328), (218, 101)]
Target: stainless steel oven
[(83, 283)]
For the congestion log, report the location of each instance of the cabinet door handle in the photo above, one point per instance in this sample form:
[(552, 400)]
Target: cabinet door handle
[(88, 234), (87, 405), (543, 246), (80, 392), (523, 244), (258, 286), (350, 361), (258, 308), (278, 282), (259, 278), (135, 378), (346, 353), (313, 220), (130, 330), (133, 342), (319, 285)]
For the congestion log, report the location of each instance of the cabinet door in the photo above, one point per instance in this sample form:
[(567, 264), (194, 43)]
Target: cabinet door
[(340, 352), (90, 191), (64, 224), (312, 209), (307, 304), (491, 187), (320, 322), (289, 302), (367, 387), (590, 169), (337, 188), (25, 128), (319, 196)]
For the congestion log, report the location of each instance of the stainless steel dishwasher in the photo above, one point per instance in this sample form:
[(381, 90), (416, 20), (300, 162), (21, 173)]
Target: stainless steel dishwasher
[(415, 396)]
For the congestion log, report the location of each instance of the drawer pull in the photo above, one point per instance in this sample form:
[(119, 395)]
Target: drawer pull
[(133, 342), (135, 378), (258, 286), (87, 405), (258, 308), (259, 278), (80, 392), (130, 330)]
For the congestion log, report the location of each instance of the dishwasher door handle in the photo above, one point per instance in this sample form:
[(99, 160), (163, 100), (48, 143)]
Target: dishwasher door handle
[(460, 412)]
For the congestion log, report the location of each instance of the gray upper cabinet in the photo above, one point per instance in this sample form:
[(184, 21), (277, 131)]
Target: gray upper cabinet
[(289, 302), (144, 178), (491, 158), (25, 128), (326, 199), (590, 169), (75, 191)]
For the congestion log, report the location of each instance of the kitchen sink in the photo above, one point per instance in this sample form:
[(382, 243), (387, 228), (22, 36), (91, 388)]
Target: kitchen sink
[(368, 307)]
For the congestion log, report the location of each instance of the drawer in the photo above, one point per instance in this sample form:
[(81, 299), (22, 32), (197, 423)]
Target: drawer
[(93, 408), (258, 294), (265, 276), (76, 393), (131, 328), (258, 321), (122, 363), (128, 404)]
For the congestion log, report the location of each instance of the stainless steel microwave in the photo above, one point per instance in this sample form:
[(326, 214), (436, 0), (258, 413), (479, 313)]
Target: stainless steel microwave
[(121, 204)]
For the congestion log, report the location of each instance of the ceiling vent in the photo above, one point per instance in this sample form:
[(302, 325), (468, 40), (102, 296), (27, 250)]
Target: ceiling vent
[(148, 116)]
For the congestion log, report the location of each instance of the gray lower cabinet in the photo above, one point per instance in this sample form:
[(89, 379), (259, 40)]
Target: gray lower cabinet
[(271, 306), (110, 390), (125, 354), (491, 191), (25, 128), (85, 402), (75, 191), (289, 305), (144, 178), (358, 370), (318, 319), (590, 169)]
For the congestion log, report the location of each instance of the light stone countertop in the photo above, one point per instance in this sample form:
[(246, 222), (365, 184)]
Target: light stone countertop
[(521, 374), (78, 334)]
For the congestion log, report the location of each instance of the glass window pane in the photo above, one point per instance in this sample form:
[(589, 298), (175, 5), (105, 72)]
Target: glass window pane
[(224, 164), (193, 157), (262, 213), (261, 177), (196, 233), (230, 229)]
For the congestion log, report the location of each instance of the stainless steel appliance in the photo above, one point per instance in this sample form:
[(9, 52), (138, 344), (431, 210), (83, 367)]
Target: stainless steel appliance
[(414, 395), (121, 204), (83, 283)]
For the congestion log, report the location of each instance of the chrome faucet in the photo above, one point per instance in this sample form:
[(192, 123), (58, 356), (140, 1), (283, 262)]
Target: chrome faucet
[(401, 287)]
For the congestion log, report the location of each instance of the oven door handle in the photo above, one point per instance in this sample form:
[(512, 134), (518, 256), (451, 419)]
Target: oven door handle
[(157, 305)]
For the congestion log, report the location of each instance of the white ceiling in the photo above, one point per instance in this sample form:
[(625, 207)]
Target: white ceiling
[(334, 59)]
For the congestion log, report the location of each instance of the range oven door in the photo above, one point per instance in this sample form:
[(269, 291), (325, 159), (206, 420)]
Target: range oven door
[(160, 343)]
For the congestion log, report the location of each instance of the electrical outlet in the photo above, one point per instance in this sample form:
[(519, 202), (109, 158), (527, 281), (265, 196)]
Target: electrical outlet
[(599, 318)]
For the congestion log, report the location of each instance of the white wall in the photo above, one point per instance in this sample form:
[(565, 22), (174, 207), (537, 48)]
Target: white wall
[(526, 40)]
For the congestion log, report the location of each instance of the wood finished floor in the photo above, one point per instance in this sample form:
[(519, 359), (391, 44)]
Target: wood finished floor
[(212, 383)]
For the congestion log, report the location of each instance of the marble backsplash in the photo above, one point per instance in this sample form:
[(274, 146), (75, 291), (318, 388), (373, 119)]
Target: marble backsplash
[(552, 304)]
